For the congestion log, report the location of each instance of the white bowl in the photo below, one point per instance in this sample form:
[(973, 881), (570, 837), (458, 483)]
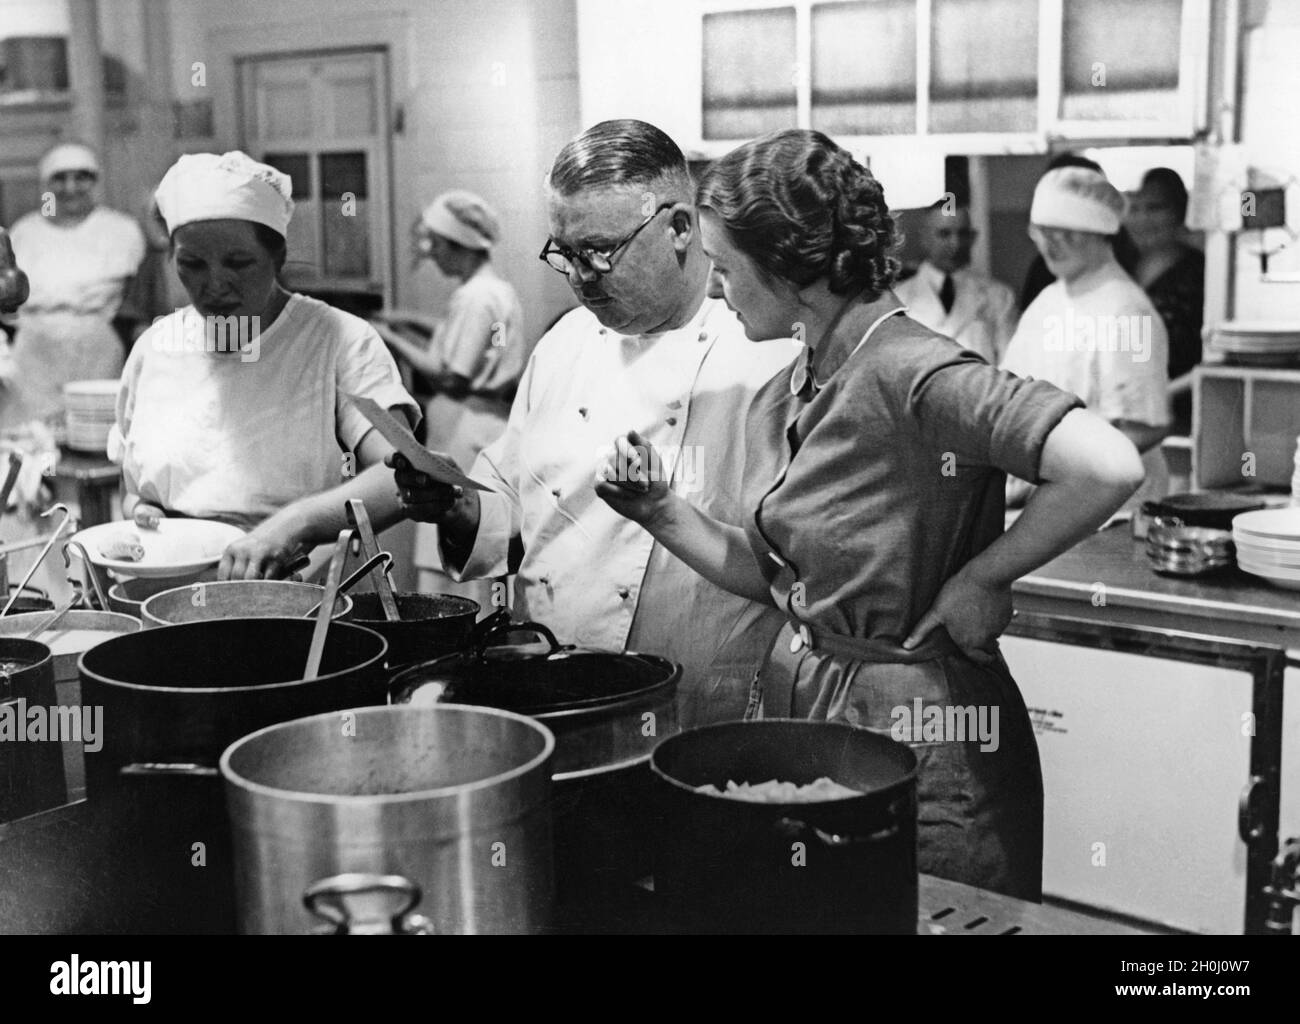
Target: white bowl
[(178, 547)]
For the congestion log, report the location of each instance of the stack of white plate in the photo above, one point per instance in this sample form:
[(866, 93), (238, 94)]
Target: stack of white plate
[(1268, 545), (1259, 342), (91, 408)]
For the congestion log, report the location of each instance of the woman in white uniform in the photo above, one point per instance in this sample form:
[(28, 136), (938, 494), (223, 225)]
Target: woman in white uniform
[(79, 257), (234, 407), (477, 353), (475, 358)]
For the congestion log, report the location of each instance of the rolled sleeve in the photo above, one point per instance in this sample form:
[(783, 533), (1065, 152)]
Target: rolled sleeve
[(468, 333), (989, 416), (364, 367)]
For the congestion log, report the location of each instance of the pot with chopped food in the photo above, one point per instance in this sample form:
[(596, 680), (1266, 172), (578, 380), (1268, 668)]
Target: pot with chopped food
[(789, 827)]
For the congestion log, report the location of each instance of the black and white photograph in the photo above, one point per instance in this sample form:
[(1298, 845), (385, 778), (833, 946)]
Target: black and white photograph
[(643, 468)]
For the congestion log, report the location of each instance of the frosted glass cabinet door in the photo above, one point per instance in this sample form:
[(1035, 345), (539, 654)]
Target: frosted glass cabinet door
[(864, 68), (983, 66), (1144, 760), (750, 70)]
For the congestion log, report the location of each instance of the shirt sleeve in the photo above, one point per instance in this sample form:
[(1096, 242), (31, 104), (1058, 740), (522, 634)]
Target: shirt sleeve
[(985, 415), (1134, 380), (468, 333), (500, 510), (364, 367)]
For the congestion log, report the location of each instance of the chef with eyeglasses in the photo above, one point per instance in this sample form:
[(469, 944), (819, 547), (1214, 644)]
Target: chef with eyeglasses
[(649, 351)]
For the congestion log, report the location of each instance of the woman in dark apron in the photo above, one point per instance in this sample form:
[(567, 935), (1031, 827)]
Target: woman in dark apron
[(875, 471)]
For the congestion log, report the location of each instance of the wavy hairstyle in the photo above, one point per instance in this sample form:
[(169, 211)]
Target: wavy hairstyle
[(801, 208)]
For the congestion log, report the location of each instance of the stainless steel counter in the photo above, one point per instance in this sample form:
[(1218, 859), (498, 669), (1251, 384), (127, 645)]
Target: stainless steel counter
[(1104, 594)]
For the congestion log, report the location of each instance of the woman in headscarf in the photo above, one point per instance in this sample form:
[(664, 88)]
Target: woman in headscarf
[(234, 408), (475, 357), (875, 475), (477, 353), (79, 257)]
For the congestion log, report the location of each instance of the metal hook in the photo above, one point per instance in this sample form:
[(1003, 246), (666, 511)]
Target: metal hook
[(60, 507), (91, 571)]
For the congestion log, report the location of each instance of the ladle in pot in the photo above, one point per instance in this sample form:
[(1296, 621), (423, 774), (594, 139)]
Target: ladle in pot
[(370, 564), (326, 608), (56, 616), (41, 557), (360, 519), (91, 571)]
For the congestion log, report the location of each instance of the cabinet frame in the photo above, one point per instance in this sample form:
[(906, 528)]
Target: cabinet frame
[(1193, 85)]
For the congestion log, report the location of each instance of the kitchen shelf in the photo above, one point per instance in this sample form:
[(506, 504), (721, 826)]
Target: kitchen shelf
[(1245, 421)]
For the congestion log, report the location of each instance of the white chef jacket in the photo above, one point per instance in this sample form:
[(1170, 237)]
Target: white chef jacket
[(593, 577), (1102, 340), (78, 273), (983, 315), (216, 436)]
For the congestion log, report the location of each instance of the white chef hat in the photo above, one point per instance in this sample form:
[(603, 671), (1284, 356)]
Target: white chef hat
[(67, 156), (463, 217), (233, 186), (1077, 198)]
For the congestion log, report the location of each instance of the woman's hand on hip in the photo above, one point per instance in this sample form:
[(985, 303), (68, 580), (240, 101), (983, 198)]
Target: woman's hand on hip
[(630, 479), (972, 611)]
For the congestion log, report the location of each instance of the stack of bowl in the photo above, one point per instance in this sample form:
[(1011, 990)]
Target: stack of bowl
[(91, 408), (1268, 545), (1180, 550)]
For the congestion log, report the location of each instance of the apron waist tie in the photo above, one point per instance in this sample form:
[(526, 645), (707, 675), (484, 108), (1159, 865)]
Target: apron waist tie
[(778, 694), (876, 649)]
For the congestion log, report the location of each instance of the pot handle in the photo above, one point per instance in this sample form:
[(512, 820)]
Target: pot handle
[(364, 903), (504, 626), (795, 829), (151, 769), (1249, 813)]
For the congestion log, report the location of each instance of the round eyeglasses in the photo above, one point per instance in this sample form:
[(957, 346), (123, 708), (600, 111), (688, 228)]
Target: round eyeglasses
[(562, 259)]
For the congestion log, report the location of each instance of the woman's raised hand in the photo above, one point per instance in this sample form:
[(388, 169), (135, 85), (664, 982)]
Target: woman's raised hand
[(630, 478)]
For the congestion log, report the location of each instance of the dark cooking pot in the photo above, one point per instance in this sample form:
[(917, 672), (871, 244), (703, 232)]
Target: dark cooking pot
[(31, 764), (842, 866), (607, 711), (173, 699), (429, 625)]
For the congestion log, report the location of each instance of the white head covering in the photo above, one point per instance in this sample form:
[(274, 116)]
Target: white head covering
[(233, 186), (1079, 199), (463, 217), (67, 156)]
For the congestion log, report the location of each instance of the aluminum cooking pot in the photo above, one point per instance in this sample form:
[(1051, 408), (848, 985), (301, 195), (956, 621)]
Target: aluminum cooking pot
[(236, 599), (350, 825)]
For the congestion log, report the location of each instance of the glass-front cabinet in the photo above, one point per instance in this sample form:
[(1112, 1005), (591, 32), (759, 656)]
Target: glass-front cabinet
[(999, 75)]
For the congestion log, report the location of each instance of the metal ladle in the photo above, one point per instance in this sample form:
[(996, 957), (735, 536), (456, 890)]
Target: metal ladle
[(370, 565), (41, 557), (57, 616)]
